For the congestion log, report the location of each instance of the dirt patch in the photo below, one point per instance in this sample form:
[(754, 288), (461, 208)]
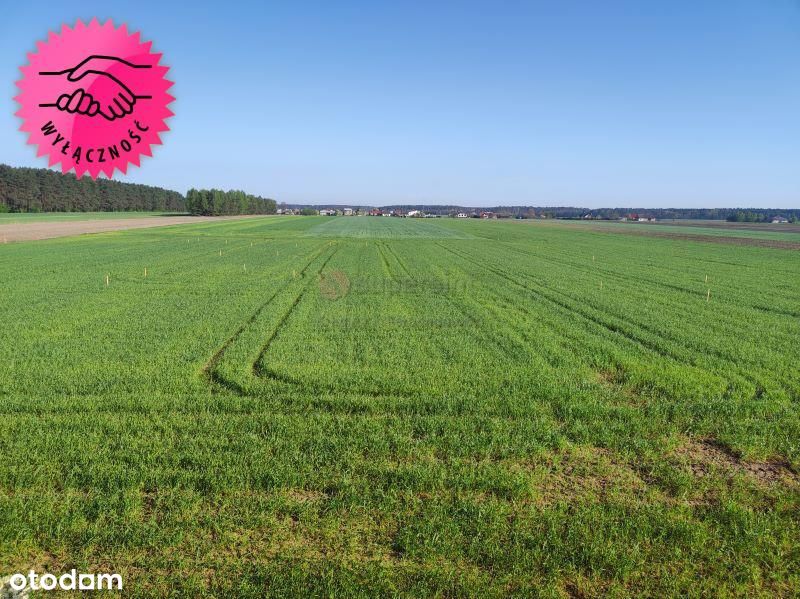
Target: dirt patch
[(47, 230), (706, 456), (614, 381), (609, 378), (585, 474), (725, 225), (725, 240), (304, 495)]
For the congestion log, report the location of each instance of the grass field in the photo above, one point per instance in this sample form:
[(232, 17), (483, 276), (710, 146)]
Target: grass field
[(380, 407), (30, 217)]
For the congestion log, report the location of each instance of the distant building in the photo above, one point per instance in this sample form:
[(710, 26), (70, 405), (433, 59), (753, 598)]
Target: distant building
[(462, 215), (375, 212), (327, 212), (779, 219), (488, 215), (414, 214), (347, 211)]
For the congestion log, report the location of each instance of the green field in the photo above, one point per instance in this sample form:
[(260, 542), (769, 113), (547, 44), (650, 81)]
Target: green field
[(9, 218), (400, 407)]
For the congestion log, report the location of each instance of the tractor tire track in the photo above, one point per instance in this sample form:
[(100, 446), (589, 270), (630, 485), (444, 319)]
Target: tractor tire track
[(256, 368), (723, 359), (668, 353), (208, 369), (564, 306)]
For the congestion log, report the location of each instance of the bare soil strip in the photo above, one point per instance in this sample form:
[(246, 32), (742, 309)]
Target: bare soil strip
[(710, 224), (749, 241), (732, 240), (48, 230)]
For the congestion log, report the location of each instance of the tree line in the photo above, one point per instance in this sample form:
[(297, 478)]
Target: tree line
[(43, 190), (215, 202), (761, 216)]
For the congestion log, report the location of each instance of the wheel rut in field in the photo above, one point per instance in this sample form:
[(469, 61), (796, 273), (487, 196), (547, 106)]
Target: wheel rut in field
[(399, 261), (259, 371), (387, 269), (565, 306), (208, 371), (256, 369), (724, 359)]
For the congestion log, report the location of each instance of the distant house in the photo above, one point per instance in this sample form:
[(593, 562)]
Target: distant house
[(462, 215), (587, 216), (642, 219), (375, 212), (327, 212), (347, 211), (279, 211), (779, 219), (652, 219), (488, 215), (414, 214)]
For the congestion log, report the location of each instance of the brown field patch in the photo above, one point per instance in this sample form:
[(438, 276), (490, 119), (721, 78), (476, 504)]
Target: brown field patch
[(706, 456), (584, 474), (34, 231), (743, 241)]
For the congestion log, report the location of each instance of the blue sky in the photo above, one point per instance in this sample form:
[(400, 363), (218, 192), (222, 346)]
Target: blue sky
[(619, 103)]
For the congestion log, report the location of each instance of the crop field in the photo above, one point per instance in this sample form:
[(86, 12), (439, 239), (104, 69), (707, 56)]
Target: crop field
[(30, 217), (362, 406)]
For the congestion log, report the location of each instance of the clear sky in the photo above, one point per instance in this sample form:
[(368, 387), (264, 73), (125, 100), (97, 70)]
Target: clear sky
[(566, 102)]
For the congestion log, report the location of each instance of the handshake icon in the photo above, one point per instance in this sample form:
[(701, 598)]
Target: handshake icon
[(100, 90)]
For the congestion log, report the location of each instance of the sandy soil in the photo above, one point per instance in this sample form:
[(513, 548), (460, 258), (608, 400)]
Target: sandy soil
[(47, 230), (721, 224), (644, 230), (753, 241)]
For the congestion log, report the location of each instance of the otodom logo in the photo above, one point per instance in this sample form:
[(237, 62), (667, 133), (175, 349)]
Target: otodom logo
[(94, 98)]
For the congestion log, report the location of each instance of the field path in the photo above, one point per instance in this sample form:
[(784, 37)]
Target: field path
[(33, 231)]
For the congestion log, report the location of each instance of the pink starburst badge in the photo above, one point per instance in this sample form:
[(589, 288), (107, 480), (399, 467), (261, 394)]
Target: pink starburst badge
[(94, 98)]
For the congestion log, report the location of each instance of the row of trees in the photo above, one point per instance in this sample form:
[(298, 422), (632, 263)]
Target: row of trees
[(43, 190), (215, 202), (752, 216)]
